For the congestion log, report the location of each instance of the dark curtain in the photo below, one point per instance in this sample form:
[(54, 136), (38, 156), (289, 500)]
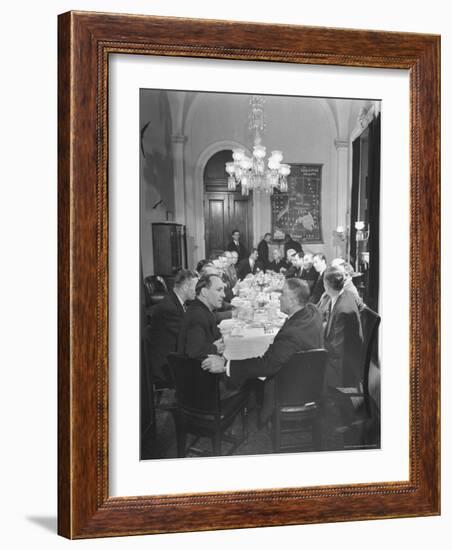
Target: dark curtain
[(147, 411), (374, 212), (371, 190), (354, 198)]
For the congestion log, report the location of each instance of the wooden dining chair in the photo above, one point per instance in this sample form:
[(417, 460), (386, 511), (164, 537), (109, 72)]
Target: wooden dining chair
[(298, 387), (200, 409), (362, 418)]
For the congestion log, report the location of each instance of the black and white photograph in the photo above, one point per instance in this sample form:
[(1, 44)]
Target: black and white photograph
[(259, 251)]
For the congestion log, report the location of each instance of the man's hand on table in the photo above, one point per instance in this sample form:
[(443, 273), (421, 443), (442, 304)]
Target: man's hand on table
[(214, 364), (219, 344)]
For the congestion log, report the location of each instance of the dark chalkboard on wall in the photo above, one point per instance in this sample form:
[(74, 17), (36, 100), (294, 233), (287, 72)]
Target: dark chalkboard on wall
[(298, 211)]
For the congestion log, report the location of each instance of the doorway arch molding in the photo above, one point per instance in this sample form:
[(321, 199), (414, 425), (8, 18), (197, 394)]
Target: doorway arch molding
[(195, 189)]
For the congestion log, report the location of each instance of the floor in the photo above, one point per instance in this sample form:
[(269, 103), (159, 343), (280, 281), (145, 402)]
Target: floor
[(162, 443)]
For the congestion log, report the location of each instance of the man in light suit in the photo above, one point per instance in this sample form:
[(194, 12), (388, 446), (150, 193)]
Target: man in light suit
[(343, 333), (302, 331)]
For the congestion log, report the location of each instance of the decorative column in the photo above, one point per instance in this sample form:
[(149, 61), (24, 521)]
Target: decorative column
[(261, 215), (342, 192), (178, 143)]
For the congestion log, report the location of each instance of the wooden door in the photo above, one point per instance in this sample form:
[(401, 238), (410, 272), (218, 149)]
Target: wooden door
[(216, 218), (224, 210)]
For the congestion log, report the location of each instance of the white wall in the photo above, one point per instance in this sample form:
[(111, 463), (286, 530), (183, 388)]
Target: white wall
[(28, 276)]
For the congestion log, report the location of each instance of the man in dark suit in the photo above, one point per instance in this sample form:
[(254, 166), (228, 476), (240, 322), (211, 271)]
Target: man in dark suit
[(292, 269), (319, 263), (199, 335), (166, 322), (278, 263), (308, 272), (343, 333), (262, 250), (290, 243), (237, 246), (249, 265), (302, 331)]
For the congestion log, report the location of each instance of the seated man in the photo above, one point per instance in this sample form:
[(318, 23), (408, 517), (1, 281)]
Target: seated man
[(309, 273), (200, 336), (249, 265), (301, 331), (291, 264), (319, 263), (343, 333), (348, 283), (277, 263), (166, 322), (229, 269)]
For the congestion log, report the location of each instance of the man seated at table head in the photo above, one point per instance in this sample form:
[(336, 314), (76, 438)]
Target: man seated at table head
[(277, 263), (319, 263), (166, 322), (199, 335), (343, 333), (302, 330), (249, 265)]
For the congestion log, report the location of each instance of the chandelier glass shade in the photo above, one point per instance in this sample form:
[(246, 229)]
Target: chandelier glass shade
[(252, 172)]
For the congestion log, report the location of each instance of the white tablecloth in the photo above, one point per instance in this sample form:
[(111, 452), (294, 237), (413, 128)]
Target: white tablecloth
[(253, 343)]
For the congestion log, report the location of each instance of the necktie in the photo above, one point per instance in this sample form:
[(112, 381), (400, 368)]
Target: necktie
[(330, 314)]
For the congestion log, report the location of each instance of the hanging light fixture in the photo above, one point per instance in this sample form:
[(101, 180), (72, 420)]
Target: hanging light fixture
[(251, 172)]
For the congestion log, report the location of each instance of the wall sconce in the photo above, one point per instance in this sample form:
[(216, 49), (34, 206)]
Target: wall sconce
[(361, 235), (341, 234)]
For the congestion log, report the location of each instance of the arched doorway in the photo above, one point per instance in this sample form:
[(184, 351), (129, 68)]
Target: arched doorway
[(224, 210)]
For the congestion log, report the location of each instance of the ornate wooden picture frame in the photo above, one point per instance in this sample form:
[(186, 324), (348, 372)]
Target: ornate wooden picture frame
[(86, 40)]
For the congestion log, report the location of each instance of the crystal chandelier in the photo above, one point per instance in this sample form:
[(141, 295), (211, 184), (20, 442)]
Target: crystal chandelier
[(251, 172)]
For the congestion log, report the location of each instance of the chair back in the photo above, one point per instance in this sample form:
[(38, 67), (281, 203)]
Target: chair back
[(300, 380), (154, 288), (370, 321), (197, 391)]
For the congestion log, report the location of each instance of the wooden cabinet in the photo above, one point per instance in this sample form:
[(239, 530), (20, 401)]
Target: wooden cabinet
[(170, 248)]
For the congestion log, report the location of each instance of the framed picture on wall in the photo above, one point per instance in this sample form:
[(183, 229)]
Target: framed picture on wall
[(165, 108)]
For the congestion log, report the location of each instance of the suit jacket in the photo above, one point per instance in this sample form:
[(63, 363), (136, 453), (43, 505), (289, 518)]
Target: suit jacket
[(240, 249), (231, 274), (262, 250), (276, 266), (344, 343), (292, 272), (317, 290), (294, 245), (310, 276), (302, 331), (244, 267), (199, 331), (165, 325)]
